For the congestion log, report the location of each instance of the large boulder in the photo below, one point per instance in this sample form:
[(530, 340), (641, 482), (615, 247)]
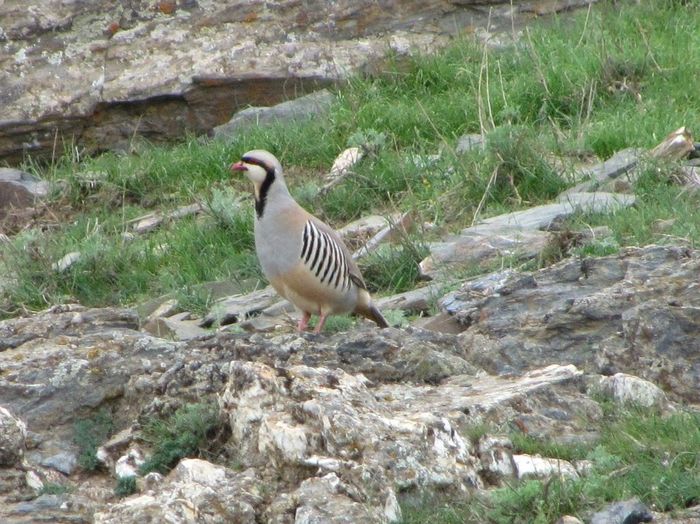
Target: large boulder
[(637, 312)]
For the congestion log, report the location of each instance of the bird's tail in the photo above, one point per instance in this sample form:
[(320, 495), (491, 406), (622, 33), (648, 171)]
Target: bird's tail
[(372, 313)]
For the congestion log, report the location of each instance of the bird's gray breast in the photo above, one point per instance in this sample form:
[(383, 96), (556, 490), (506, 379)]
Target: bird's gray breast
[(278, 247)]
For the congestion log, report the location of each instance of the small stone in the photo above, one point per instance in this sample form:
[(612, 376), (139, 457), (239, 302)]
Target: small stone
[(153, 480), (13, 433), (469, 142), (441, 323), (167, 308), (620, 163), (42, 502), (356, 233), (66, 261), (628, 389), (19, 189), (128, 465), (34, 481), (345, 161), (264, 323), (303, 108), (528, 466), (627, 512), (65, 462), (174, 328), (568, 519), (496, 455)]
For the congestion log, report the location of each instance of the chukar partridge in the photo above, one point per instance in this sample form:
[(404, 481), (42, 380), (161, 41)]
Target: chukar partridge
[(302, 257)]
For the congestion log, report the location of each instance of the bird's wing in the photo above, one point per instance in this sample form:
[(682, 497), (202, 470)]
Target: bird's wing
[(354, 271)]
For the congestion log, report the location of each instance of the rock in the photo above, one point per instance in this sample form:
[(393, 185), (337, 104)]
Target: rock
[(568, 519), (164, 309), (176, 327), (65, 462), (42, 502), (496, 456), (62, 363), (265, 323), (682, 516), (195, 491), (442, 323), (324, 500), (117, 76), (168, 305), (529, 466), (128, 465), (333, 427), (342, 167), (313, 105), (636, 312), (467, 143), (628, 389), (240, 307), (476, 248), (627, 512), (540, 217), (152, 221), (13, 433), (19, 189), (516, 235), (678, 144), (357, 233), (313, 422), (418, 300), (395, 228), (604, 173), (691, 177), (101, 74), (345, 161), (66, 262)]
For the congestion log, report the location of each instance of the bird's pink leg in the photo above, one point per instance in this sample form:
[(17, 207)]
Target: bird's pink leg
[(303, 321), (321, 321)]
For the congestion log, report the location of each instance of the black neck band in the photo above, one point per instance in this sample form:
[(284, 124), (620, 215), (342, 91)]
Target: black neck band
[(265, 186), (264, 189)]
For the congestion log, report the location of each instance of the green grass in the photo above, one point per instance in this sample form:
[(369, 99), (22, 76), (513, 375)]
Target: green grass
[(53, 488), (186, 433), (658, 199), (639, 454), (578, 88), (125, 486), (89, 434)]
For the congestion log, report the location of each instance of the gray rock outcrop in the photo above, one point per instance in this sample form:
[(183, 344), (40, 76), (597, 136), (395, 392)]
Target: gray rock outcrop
[(96, 73), (339, 427)]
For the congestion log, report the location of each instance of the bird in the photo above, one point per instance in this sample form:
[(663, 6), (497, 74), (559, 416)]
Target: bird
[(302, 257)]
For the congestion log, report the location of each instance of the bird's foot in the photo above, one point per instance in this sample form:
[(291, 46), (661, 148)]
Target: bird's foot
[(321, 322), (303, 322)]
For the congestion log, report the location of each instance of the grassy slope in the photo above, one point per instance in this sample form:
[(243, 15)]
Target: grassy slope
[(578, 89)]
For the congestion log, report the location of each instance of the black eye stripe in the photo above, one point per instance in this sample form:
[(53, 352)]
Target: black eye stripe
[(255, 162)]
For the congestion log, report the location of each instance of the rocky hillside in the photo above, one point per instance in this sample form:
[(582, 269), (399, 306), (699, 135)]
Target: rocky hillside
[(277, 426), (339, 428), (543, 359)]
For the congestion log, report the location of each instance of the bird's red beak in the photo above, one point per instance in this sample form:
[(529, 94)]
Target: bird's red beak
[(238, 166)]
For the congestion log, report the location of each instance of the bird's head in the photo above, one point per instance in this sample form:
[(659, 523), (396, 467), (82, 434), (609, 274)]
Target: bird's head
[(265, 171), (258, 165)]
